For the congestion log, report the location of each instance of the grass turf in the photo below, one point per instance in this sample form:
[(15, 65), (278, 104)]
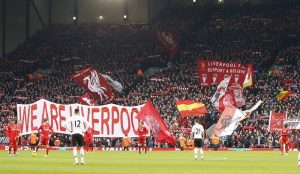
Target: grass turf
[(60, 162)]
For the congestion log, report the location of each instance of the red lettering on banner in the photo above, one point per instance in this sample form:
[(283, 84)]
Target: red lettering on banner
[(33, 117), (136, 111), (87, 116), (104, 121), (45, 111), (24, 118), (114, 119), (94, 121), (61, 117), (125, 111), (53, 115)]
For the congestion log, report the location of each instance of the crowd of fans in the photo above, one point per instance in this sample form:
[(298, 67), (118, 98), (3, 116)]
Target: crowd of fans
[(265, 35)]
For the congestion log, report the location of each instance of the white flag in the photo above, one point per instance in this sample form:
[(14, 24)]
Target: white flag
[(113, 83)]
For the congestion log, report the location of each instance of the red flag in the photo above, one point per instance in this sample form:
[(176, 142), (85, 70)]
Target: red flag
[(276, 121), (236, 92), (167, 39), (190, 108), (85, 99), (221, 99), (158, 127), (94, 82)]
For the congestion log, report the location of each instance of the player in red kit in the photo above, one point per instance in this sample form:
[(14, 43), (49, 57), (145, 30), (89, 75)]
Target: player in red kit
[(284, 144), (142, 132), (45, 131), (89, 140), (12, 132)]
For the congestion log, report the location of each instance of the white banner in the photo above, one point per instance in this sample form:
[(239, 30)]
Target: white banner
[(106, 120)]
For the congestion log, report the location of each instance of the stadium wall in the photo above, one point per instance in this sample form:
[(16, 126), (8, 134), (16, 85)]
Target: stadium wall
[(62, 12)]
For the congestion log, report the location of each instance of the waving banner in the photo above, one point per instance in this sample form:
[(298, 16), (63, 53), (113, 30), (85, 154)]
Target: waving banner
[(213, 72), (95, 83), (106, 120), (276, 121), (168, 40), (157, 125)]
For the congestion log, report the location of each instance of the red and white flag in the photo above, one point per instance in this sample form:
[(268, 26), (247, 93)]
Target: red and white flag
[(228, 121), (236, 92), (168, 40), (230, 118), (158, 127), (95, 83), (85, 99), (276, 121), (220, 99)]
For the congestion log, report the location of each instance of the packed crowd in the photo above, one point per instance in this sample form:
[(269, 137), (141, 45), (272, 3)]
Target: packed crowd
[(264, 36)]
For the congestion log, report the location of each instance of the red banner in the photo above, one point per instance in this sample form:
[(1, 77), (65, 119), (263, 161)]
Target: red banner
[(158, 127), (276, 121), (168, 40), (213, 72), (95, 83)]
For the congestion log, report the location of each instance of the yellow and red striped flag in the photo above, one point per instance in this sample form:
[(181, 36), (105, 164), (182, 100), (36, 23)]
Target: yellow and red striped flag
[(191, 108), (283, 95)]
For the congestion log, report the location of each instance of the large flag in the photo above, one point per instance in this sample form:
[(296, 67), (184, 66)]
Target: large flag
[(213, 72), (276, 121), (218, 98), (228, 121), (85, 99), (117, 86), (168, 40), (190, 108), (94, 82), (283, 95), (158, 127), (230, 118), (249, 77)]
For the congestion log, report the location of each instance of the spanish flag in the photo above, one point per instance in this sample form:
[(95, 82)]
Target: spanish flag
[(190, 108), (283, 95)]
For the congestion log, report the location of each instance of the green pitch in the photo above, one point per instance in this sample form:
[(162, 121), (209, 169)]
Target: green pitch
[(60, 162)]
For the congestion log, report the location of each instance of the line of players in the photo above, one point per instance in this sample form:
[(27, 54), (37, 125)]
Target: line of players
[(81, 134), (81, 131)]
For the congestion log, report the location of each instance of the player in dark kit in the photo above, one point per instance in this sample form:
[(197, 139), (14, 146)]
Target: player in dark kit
[(142, 132)]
